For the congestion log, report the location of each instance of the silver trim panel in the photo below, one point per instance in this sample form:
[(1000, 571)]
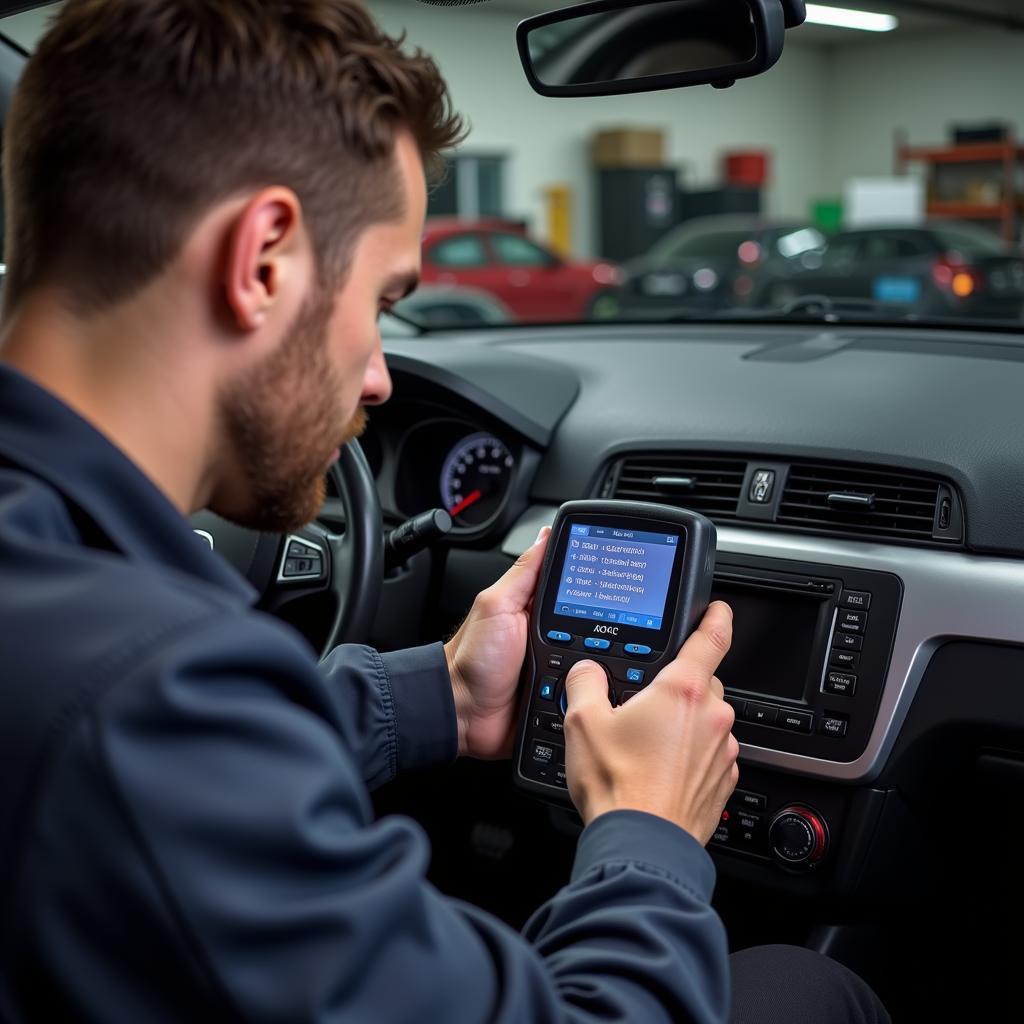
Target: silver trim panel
[(948, 595)]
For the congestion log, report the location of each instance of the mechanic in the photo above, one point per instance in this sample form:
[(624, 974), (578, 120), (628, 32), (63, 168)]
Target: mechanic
[(208, 207)]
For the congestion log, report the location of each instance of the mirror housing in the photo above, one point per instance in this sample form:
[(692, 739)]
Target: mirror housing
[(625, 46)]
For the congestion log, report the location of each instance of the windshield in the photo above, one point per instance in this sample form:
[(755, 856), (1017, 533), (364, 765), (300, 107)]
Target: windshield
[(879, 171)]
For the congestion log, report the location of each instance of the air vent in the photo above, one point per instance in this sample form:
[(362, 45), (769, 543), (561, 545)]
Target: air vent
[(709, 484), (868, 502)]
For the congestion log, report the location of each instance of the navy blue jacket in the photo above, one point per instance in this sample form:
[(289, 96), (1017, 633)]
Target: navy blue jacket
[(185, 827)]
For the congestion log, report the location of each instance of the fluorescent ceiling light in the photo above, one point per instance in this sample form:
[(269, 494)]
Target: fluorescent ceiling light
[(842, 17)]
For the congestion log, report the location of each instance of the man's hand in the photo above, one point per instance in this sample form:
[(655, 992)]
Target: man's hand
[(486, 655), (670, 750)]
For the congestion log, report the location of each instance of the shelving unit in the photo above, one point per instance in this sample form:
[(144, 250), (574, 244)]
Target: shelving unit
[(997, 168)]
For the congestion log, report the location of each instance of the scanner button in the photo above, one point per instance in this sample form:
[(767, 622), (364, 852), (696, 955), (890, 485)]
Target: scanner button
[(626, 694), (558, 637), (548, 685), (637, 649), (554, 661), (634, 675), (595, 643)]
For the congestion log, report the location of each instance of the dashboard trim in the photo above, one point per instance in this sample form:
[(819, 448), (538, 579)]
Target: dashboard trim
[(948, 595)]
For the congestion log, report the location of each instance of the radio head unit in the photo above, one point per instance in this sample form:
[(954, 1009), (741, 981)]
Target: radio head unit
[(810, 653)]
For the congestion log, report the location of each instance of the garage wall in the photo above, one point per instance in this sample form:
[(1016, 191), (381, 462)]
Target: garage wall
[(921, 84), (547, 139), (827, 114)]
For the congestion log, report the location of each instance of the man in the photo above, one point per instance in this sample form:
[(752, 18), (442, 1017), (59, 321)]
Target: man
[(208, 207)]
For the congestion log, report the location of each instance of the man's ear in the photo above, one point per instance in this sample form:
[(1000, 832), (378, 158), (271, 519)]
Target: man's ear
[(263, 249)]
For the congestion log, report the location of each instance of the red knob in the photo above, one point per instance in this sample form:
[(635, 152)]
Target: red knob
[(798, 836)]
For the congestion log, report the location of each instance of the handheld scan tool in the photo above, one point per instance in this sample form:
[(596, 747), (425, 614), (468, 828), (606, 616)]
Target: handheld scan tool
[(623, 584)]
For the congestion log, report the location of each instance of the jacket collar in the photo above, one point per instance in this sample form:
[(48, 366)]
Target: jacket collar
[(43, 436)]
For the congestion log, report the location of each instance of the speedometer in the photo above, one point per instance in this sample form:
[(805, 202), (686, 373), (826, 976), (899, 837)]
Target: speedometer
[(474, 479)]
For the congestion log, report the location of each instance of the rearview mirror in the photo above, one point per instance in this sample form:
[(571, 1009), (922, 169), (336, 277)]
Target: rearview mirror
[(623, 46)]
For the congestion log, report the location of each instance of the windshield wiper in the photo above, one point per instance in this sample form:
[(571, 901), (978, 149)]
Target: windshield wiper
[(805, 309)]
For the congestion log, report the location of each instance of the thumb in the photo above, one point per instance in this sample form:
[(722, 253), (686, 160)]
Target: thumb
[(586, 685), (516, 587)]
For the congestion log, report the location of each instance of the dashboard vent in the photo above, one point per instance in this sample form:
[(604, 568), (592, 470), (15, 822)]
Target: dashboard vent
[(709, 484), (867, 502)]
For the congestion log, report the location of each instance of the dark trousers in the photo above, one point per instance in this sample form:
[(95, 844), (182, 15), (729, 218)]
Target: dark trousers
[(792, 985)]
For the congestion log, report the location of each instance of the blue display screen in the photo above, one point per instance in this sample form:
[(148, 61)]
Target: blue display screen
[(615, 575)]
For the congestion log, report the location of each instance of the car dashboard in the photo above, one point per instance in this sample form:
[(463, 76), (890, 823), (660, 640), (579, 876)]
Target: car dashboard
[(879, 646)]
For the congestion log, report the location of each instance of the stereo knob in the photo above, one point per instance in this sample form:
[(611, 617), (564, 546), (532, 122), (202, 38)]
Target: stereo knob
[(798, 837)]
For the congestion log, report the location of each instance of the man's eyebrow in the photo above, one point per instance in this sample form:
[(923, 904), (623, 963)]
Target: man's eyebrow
[(405, 283)]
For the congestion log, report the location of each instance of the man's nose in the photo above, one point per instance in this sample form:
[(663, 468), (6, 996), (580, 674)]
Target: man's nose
[(377, 385)]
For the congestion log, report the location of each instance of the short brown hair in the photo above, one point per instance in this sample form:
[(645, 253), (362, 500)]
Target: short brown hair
[(133, 117)]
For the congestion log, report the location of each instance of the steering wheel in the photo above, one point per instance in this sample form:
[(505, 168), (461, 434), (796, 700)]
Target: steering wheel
[(346, 570)]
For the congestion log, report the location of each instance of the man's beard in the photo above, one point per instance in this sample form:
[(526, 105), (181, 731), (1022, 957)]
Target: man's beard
[(282, 423)]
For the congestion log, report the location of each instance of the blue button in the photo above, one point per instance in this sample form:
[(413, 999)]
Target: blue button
[(563, 703), (558, 637), (635, 675), (547, 692), (637, 649), (596, 644)]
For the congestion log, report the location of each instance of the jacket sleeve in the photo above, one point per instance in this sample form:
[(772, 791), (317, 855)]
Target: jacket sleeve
[(396, 710), (218, 817)]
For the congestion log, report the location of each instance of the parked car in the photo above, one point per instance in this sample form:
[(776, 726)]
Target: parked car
[(710, 263), (437, 304), (945, 268), (497, 257)]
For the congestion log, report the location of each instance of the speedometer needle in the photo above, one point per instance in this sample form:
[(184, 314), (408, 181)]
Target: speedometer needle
[(465, 503)]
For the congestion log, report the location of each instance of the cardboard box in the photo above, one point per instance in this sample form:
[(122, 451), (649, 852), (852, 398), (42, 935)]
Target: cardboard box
[(628, 147)]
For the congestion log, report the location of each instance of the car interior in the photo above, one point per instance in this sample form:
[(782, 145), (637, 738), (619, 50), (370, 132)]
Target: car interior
[(861, 453)]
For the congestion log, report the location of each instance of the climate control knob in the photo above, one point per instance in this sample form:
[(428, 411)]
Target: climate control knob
[(798, 837)]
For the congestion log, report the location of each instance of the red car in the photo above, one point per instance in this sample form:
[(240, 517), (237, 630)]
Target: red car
[(532, 281)]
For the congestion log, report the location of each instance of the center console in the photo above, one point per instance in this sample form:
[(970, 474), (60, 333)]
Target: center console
[(810, 654)]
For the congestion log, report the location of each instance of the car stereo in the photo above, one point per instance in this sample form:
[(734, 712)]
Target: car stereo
[(810, 652)]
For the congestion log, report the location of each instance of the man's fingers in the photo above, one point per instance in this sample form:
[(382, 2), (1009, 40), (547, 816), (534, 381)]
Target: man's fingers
[(717, 688), (586, 683), (710, 641), (514, 590)]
